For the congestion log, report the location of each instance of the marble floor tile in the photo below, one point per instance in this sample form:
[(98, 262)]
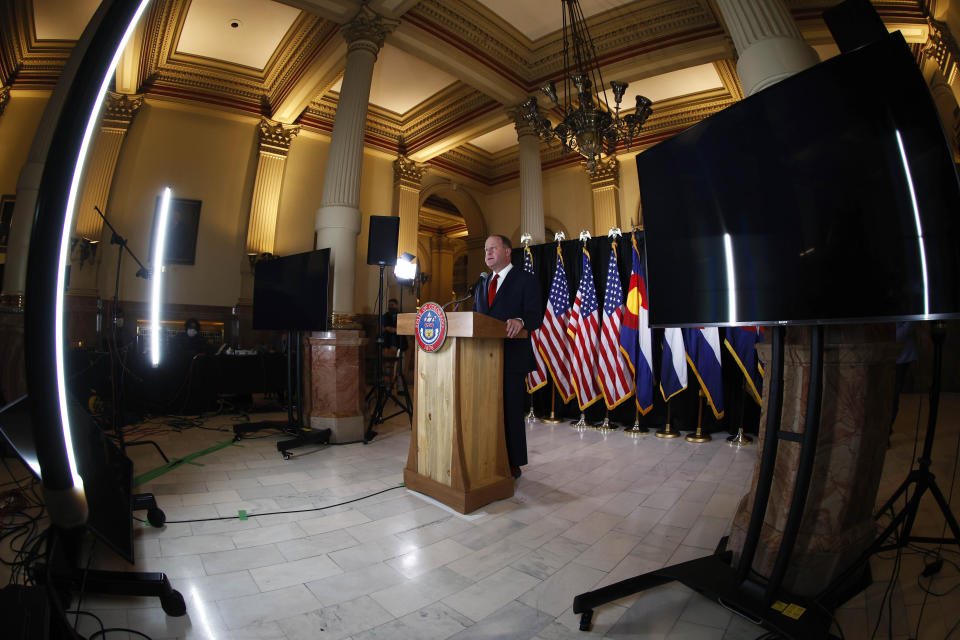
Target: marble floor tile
[(590, 510), (490, 594), (421, 591), (238, 613), (287, 574)]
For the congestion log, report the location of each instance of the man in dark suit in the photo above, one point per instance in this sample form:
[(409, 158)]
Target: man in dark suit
[(512, 295)]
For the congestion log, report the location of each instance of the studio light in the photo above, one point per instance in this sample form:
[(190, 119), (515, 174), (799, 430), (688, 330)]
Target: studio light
[(64, 254), (157, 289), (406, 268), (589, 127)]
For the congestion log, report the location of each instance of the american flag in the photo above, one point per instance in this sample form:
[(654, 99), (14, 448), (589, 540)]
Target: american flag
[(538, 377), (583, 331), (612, 372), (552, 334)]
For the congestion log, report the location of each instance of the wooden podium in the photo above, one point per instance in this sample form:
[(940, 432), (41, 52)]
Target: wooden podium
[(458, 450)]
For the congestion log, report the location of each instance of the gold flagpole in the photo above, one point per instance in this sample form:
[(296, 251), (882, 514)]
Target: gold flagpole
[(741, 440), (667, 432), (699, 436), (553, 406)]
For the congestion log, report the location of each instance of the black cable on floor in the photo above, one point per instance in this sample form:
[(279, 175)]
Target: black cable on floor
[(277, 513)]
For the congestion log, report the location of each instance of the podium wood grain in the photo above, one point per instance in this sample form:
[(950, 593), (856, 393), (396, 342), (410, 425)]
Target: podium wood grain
[(458, 451)]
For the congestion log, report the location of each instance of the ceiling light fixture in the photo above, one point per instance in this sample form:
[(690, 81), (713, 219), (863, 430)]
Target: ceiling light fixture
[(590, 127)]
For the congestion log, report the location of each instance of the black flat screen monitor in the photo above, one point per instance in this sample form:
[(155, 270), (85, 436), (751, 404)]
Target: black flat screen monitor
[(290, 293), (107, 473), (829, 197)]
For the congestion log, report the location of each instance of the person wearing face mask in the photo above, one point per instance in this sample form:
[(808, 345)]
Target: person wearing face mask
[(193, 342)]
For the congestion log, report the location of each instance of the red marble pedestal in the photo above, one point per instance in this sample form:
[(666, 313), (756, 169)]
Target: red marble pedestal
[(335, 383), (837, 523)]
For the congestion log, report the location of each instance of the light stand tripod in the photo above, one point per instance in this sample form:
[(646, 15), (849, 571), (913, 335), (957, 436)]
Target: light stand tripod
[(382, 390), (924, 480)]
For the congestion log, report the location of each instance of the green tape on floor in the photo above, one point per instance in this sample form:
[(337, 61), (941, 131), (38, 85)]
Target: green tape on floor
[(242, 514), (173, 464)]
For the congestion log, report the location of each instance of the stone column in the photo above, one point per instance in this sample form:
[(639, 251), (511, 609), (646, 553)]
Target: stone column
[(337, 356), (857, 374), (273, 144), (605, 187), (768, 42), (441, 284), (475, 258), (338, 219), (119, 110), (531, 179), (407, 178)]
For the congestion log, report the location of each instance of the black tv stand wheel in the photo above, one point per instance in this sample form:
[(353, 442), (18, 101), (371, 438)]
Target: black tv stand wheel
[(285, 454), (156, 517), (586, 620), (173, 604)]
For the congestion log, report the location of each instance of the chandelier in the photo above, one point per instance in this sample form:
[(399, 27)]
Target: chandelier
[(589, 127)]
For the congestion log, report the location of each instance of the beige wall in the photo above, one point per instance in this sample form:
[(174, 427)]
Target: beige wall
[(18, 125), (202, 156)]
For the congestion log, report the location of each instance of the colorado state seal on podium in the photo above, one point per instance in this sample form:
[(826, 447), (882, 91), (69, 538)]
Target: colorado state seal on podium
[(431, 327)]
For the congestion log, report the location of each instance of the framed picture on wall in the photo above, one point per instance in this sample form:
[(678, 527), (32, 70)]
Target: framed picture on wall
[(6, 215), (182, 225)]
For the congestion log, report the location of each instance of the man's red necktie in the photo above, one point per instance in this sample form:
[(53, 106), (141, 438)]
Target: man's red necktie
[(492, 291)]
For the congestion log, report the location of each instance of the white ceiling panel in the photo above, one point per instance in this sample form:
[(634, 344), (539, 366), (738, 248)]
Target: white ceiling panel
[(244, 32), (58, 20), (401, 82), (497, 140), (539, 18), (684, 82)]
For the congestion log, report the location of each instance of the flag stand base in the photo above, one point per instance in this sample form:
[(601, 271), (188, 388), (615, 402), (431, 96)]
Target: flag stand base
[(740, 440), (581, 423), (605, 425), (636, 430), (667, 432), (531, 416)]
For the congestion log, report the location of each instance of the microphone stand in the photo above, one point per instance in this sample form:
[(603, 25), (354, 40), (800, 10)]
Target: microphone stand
[(117, 385), (139, 501)]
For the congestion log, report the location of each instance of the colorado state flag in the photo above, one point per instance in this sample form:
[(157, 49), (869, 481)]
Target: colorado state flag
[(636, 338), (703, 354), (673, 369), (742, 344)]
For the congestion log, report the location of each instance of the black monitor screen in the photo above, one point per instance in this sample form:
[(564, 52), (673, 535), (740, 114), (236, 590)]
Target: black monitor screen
[(107, 473), (831, 196), (290, 293)]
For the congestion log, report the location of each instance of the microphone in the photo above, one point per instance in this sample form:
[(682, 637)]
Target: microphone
[(482, 279)]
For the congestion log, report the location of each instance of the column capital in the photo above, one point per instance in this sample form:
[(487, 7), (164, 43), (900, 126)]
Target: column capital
[(4, 98), (367, 30), (408, 173), (119, 110), (607, 173), (474, 242), (942, 48), (275, 137), (522, 124)]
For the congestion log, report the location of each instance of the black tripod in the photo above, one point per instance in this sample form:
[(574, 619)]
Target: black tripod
[(381, 388), (922, 478)]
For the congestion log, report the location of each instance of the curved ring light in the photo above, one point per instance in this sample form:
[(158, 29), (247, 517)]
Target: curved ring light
[(98, 50)]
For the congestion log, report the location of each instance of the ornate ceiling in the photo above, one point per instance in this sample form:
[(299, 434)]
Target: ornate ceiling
[(444, 81)]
